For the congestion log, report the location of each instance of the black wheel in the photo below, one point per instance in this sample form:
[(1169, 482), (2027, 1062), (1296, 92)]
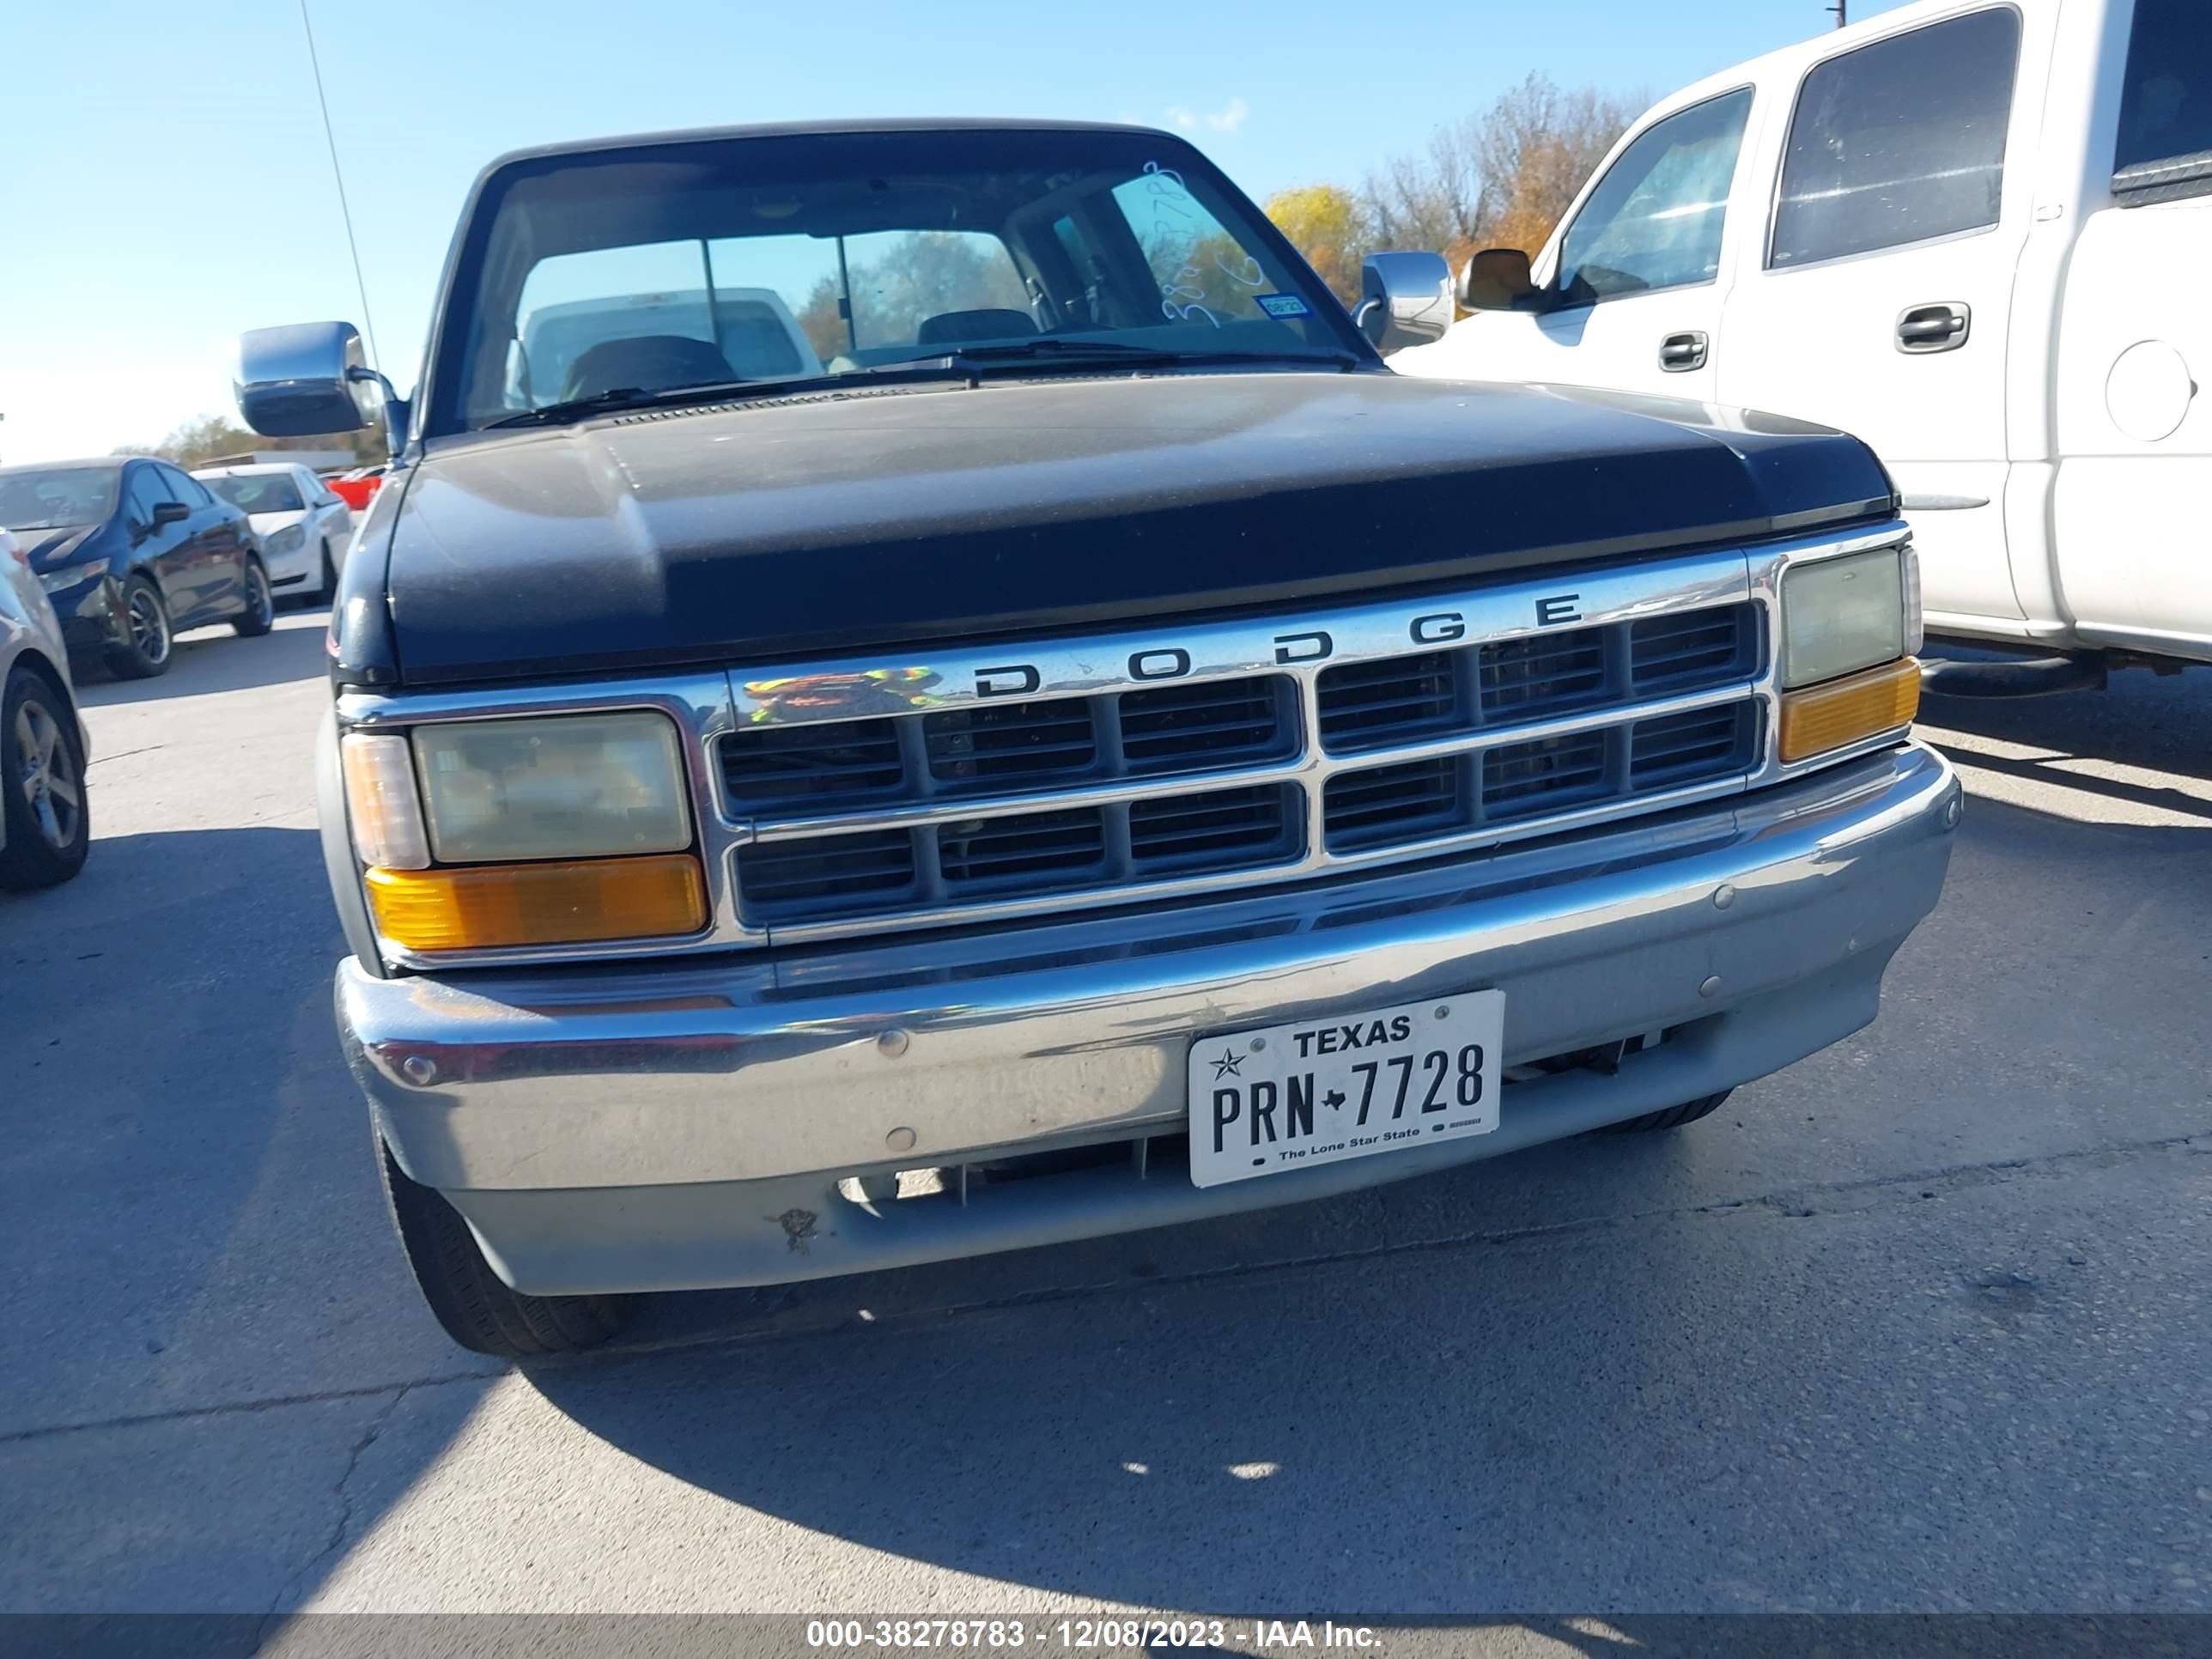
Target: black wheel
[(330, 588), (477, 1309), (144, 650), (260, 604), (1673, 1118), (42, 772)]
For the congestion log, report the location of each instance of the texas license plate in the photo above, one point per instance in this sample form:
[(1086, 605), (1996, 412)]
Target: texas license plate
[(1321, 1090)]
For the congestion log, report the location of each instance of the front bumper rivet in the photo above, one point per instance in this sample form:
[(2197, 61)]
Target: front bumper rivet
[(891, 1044), (900, 1141), (1724, 897), (418, 1068), (1711, 984)]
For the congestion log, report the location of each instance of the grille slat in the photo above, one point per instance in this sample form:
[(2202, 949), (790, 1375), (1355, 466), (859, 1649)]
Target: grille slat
[(975, 852), (1543, 675), (1014, 743), (1385, 803), (1211, 724), (1676, 749), (824, 765), (1371, 704), (1696, 648), (933, 759), (1224, 825), (868, 869), (1543, 774)]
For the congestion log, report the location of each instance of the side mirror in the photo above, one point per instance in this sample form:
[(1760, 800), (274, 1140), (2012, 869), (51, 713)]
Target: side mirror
[(1405, 299), (304, 381), (1495, 279), (170, 513)]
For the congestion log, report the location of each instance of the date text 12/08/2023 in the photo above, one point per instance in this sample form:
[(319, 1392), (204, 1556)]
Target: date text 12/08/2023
[(1321, 1090)]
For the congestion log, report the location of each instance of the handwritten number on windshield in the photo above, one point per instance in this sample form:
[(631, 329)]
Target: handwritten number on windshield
[(1179, 298)]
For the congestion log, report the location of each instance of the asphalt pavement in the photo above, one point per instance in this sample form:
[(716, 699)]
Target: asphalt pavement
[(1918, 1325)]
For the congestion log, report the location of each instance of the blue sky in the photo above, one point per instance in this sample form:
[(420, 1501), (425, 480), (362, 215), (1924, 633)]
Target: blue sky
[(165, 182)]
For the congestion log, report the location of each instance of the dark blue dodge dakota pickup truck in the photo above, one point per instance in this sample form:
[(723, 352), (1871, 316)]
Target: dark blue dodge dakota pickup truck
[(917, 689)]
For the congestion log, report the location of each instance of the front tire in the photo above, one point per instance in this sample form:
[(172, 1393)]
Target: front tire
[(329, 589), (1673, 1118), (260, 604), (477, 1309), (42, 772), (144, 650)]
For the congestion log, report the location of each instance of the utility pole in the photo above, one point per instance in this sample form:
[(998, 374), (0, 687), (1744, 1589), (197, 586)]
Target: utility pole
[(1840, 8)]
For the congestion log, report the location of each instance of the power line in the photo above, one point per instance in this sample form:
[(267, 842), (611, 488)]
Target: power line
[(368, 323)]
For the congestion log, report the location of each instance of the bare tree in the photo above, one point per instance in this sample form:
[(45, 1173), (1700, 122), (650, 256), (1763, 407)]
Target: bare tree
[(1500, 177)]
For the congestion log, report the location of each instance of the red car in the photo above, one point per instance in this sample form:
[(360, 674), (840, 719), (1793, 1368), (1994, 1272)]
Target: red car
[(355, 488)]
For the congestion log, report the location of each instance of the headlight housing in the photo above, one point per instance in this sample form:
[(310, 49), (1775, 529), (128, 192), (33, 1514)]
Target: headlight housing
[(481, 834), (573, 785), (287, 540), (1844, 614), (71, 575), (1849, 628)]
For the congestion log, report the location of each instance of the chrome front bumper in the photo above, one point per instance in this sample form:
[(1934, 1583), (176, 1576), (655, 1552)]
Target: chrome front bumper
[(640, 1124)]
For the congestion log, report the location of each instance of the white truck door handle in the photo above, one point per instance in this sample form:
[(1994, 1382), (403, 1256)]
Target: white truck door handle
[(1922, 329), (1680, 353)]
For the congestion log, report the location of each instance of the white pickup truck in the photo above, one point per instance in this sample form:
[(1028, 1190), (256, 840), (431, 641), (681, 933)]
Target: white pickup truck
[(1978, 236)]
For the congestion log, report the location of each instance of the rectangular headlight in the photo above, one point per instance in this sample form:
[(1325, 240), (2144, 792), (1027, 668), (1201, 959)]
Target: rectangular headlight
[(1842, 615), (564, 787)]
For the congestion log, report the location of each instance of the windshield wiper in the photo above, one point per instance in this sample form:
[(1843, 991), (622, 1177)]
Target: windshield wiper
[(1119, 351), (963, 361), (632, 397)]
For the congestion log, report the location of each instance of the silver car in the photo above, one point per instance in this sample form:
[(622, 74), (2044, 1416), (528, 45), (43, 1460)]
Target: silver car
[(45, 828), (302, 525)]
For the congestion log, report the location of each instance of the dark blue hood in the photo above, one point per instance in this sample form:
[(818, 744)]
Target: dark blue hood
[(761, 531)]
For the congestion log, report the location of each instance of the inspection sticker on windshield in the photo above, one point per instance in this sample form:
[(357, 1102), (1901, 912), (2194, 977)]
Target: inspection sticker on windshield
[(1323, 1091), (1283, 306)]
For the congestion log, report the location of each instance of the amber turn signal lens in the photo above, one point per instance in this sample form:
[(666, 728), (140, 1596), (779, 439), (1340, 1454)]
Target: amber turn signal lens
[(1831, 716), (493, 907)]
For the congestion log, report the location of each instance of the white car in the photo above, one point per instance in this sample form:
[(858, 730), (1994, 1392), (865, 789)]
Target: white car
[(303, 528)]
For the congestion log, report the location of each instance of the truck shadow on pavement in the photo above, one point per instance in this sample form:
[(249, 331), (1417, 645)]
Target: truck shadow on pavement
[(2158, 723)]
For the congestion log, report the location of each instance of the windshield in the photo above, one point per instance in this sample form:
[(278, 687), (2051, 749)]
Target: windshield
[(47, 499), (792, 258), (258, 492)]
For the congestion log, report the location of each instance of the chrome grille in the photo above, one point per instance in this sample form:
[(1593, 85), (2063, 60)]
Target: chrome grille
[(1528, 730)]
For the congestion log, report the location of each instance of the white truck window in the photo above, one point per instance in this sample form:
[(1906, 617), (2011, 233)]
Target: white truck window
[(1902, 141), (1655, 220), (2166, 111)]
